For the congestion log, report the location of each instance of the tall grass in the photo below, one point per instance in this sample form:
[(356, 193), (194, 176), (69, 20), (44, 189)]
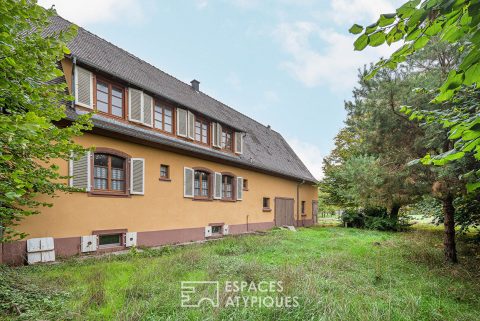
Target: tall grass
[(336, 274)]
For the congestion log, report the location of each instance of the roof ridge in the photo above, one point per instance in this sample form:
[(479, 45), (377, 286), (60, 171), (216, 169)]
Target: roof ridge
[(166, 73)]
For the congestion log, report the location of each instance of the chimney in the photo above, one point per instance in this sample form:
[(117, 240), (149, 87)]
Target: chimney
[(195, 85)]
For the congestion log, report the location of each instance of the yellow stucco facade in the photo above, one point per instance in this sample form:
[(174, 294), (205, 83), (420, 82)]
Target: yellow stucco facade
[(163, 206)]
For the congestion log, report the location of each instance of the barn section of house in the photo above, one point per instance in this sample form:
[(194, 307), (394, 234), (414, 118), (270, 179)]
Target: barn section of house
[(168, 164)]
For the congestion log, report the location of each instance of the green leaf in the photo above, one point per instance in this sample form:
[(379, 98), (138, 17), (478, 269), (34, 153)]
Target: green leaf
[(472, 75), (377, 39), (472, 187), (361, 42), (371, 28), (387, 19), (421, 42), (355, 29)]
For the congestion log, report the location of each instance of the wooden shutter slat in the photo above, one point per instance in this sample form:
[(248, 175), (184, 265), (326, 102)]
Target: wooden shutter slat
[(188, 181), (238, 142), (137, 176), (79, 170), (134, 105), (217, 186), (83, 87), (147, 110), (182, 122), (191, 125), (239, 188)]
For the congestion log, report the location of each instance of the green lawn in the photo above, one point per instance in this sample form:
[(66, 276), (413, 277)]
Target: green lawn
[(335, 273)]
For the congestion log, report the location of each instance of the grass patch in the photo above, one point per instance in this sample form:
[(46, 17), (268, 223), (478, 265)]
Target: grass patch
[(336, 274)]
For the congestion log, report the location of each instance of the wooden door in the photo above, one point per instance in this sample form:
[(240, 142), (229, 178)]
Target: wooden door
[(284, 211)]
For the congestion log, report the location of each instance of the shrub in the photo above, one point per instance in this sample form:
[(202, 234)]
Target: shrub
[(374, 218)]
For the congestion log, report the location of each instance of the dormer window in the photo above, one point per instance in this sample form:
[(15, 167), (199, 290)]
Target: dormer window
[(227, 135), (201, 130), (163, 117), (109, 98)]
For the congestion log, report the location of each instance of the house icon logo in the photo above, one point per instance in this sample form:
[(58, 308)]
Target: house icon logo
[(196, 293)]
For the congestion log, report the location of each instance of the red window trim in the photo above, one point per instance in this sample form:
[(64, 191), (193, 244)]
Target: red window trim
[(164, 105), (110, 85), (210, 184), (110, 193), (202, 121)]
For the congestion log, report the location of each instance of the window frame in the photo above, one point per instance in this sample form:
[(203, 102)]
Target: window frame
[(302, 208), (110, 85), (225, 176), (120, 232), (164, 105), (227, 130), (245, 184), (165, 178), (202, 121), (268, 208), (209, 173), (116, 193)]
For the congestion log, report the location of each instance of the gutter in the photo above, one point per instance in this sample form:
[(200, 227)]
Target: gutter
[(298, 203)]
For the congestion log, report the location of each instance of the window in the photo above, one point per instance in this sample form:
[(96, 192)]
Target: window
[(266, 203), (163, 118), (217, 229), (109, 98), (303, 207), (109, 173), (227, 139), (245, 184), (110, 240), (164, 172), (201, 131), (201, 184), (227, 187)]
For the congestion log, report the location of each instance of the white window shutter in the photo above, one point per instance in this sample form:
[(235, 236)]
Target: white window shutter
[(191, 125), (137, 176), (79, 170), (182, 122), (238, 142), (225, 229), (83, 87), (188, 181), (217, 187), (239, 188), (89, 243), (130, 239), (219, 135), (147, 110), (208, 231), (134, 105), (213, 135)]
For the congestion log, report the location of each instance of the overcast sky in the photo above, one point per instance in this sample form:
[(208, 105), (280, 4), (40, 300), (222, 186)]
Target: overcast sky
[(286, 63)]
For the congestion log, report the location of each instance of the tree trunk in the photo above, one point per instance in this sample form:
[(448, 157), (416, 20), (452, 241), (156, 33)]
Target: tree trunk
[(394, 211), (449, 226)]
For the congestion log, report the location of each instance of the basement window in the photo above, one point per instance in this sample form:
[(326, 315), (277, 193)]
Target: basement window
[(107, 240), (217, 229)]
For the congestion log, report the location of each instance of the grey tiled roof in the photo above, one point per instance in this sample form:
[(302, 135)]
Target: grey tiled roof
[(264, 148)]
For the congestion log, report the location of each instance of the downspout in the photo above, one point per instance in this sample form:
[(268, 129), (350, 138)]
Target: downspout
[(298, 202)]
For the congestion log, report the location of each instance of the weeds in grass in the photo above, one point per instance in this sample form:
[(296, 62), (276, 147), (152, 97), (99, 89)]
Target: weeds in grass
[(336, 273)]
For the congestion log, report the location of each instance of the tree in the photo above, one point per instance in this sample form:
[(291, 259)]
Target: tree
[(417, 23), (32, 106)]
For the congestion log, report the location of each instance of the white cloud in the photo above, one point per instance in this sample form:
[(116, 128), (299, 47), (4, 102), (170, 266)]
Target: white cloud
[(335, 64), (94, 11), (309, 154), (352, 11)]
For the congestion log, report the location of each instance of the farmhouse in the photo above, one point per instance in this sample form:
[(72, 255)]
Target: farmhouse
[(168, 164)]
